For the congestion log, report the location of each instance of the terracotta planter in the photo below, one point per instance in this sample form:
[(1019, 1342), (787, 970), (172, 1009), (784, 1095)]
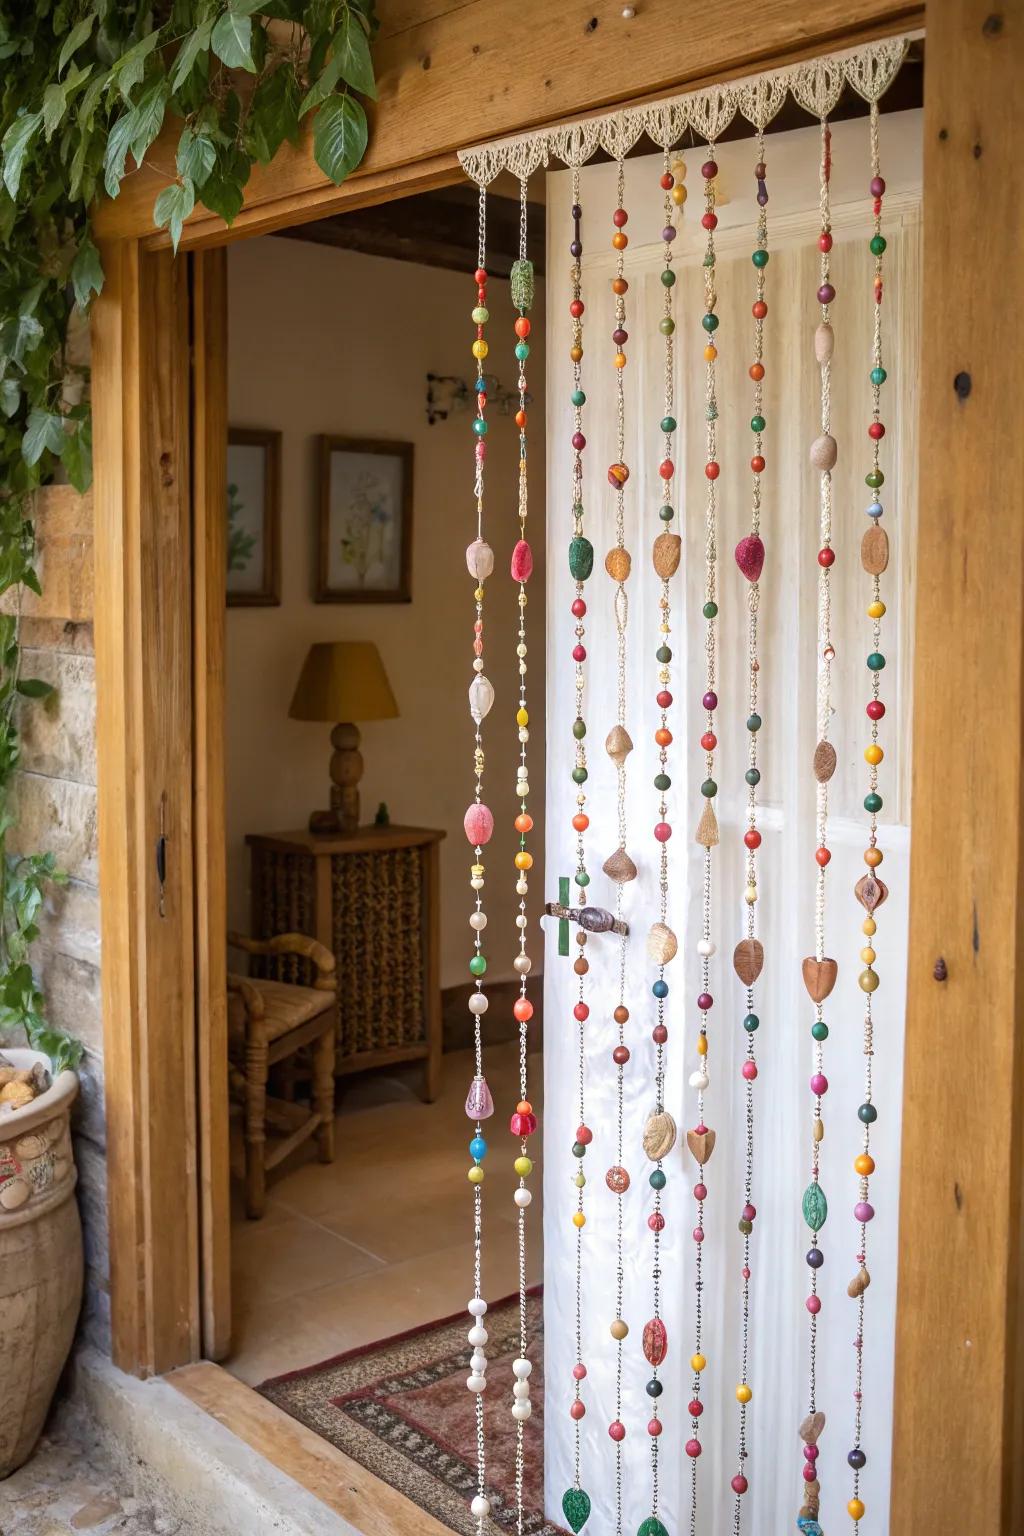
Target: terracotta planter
[(40, 1259)]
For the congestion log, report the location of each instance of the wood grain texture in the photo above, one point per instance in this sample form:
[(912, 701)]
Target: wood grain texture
[(444, 81), (369, 1505), (209, 563), (960, 1339)]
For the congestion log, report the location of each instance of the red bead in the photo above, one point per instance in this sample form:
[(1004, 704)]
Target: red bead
[(659, 1034), (522, 326), (480, 276), (757, 463), (752, 837), (654, 1428), (620, 217), (693, 1448), (577, 1409), (709, 741), (579, 607), (709, 220), (581, 1012), (579, 653), (709, 170), (711, 470), (696, 1408), (617, 1430), (824, 241), (739, 1483), (666, 469), (620, 1055), (664, 699), (668, 181), (876, 430), (579, 1372), (584, 1135), (759, 309), (700, 1191), (876, 709), (656, 1221), (826, 557), (576, 308), (522, 1009), (822, 855), (663, 831)]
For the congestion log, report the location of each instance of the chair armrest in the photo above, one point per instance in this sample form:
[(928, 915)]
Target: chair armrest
[(292, 944), (252, 997)]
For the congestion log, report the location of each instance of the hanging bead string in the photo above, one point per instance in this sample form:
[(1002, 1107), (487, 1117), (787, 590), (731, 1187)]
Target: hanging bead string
[(479, 825), (819, 972), (701, 1140), (524, 1121), (748, 958), (575, 1500), (662, 944), (870, 890)]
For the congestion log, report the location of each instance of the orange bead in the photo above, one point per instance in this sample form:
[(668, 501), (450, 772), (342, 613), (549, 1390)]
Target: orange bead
[(619, 285), (524, 822), (663, 736), (621, 1014), (710, 353), (522, 326), (576, 353), (520, 418), (620, 359), (524, 861), (580, 822), (872, 857), (524, 1107), (523, 1011), (864, 1164), (620, 240), (580, 966), (757, 371)]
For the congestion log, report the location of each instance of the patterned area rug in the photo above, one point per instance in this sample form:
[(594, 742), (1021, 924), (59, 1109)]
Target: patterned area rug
[(401, 1409)]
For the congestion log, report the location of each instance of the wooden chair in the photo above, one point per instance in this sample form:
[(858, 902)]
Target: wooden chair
[(268, 1022)]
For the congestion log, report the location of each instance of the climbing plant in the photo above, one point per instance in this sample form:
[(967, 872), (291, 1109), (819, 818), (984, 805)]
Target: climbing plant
[(86, 86)]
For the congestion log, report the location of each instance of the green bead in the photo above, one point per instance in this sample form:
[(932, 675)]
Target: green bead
[(578, 397), (753, 776), (873, 803), (576, 1508), (751, 1023), (477, 966), (815, 1207), (664, 653), (668, 423), (710, 322), (480, 426), (875, 478), (876, 661), (578, 1149), (760, 258), (579, 775), (666, 325), (668, 277), (878, 243), (582, 879), (662, 781), (753, 722), (521, 284), (710, 610), (579, 728), (745, 1226), (522, 350), (666, 513), (819, 1031), (581, 558), (709, 789), (657, 1179), (757, 423), (867, 1114), (652, 1526), (878, 375), (481, 315)]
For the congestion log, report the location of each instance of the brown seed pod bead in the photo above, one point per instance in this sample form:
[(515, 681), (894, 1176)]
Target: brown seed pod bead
[(581, 966), (621, 1014)]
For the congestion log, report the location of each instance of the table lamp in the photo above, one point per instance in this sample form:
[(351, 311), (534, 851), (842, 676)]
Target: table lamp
[(343, 681)]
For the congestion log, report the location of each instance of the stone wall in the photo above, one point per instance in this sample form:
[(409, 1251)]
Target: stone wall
[(55, 806)]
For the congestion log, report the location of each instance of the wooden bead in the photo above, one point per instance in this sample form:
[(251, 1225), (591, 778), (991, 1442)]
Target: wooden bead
[(874, 550), (859, 1284), (618, 866), (819, 977), (707, 827), (811, 1428), (655, 1341), (824, 343), (667, 553), (824, 452), (662, 944), (870, 892), (701, 1144), (618, 563), (618, 744), (824, 761), (748, 960), (659, 1136)]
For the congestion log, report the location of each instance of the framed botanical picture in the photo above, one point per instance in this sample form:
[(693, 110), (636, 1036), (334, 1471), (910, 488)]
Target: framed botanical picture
[(254, 517), (365, 531)]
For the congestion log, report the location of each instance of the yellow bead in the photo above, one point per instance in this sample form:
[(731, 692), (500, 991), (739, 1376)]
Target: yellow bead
[(702, 1045), (476, 870), (876, 610), (750, 895), (679, 196), (476, 1175), (867, 954), (575, 353), (480, 350), (522, 717), (580, 1180), (578, 1219), (620, 359), (743, 1393), (479, 594), (679, 170), (873, 754), (855, 1509), (710, 353), (523, 1166), (524, 860), (868, 926), (697, 1362)]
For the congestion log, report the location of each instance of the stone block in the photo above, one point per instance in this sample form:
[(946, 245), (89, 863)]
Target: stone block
[(58, 734), (57, 816)]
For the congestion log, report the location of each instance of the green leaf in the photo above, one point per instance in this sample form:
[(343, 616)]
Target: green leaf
[(10, 397), (196, 43), (15, 147), (232, 41), (77, 456), (223, 191), (118, 143), (274, 113), (196, 156), (55, 104), (149, 117), (130, 68), (352, 47), (339, 137), (173, 207), (74, 40), (34, 688), (45, 430), (86, 273)]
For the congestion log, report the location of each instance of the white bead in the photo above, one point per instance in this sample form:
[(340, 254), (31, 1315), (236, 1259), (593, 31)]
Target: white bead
[(522, 1368), (480, 1507), (520, 1389), (481, 697), (522, 889), (478, 1364), (520, 650), (699, 1080), (522, 965), (476, 1383), (706, 947), (522, 1410), (521, 921), (478, 1002), (524, 733), (478, 1306), (477, 1335), (477, 883), (522, 1198), (478, 920), (478, 663)]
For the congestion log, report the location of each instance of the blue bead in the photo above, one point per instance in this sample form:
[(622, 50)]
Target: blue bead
[(875, 509), (478, 1149), (481, 385), (480, 426), (660, 989), (522, 350)]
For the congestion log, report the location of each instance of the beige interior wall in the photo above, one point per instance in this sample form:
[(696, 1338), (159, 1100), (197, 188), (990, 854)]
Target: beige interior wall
[(324, 340)]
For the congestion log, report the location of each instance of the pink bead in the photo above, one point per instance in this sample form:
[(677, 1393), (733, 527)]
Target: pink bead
[(617, 1430), (810, 1453), (579, 653), (479, 1103), (749, 555), (579, 608), (698, 1234), (695, 1408), (522, 561), (663, 831), (863, 1211), (693, 1448), (656, 1221), (745, 1272), (749, 1070), (809, 1473), (479, 825), (700, 1191), (749, 1212), (813, 1305), (522, 1125), (877, 187), (579, 442), (739, 1483), (654, 1428), (579, 1371), (577, 1409), (819, 1084), (581, 1012)]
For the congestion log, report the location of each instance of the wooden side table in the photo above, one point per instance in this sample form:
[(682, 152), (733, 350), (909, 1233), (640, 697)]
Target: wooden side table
[(372, 898)]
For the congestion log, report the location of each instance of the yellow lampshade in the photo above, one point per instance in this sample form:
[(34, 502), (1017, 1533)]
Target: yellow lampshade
[(343, 680)]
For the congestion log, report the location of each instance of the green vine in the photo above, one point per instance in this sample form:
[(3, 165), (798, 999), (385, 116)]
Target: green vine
[(86, 88)]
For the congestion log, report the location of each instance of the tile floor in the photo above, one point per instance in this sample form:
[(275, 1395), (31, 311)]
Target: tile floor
[(379, 1241)]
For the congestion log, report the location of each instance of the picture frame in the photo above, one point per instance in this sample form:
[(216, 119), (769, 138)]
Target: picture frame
[(253, 575), (364, 529)]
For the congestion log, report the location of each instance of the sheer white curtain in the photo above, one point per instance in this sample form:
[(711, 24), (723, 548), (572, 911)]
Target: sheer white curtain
[(778, 1368)]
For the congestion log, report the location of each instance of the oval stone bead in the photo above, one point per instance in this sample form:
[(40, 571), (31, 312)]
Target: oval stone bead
[(480, 559), (581, 558), (595, 920), (522, 561), (481, 697), (479, 824), (750, 556), (655, 1341), (824, 452), (824, 343), (815, 1207)]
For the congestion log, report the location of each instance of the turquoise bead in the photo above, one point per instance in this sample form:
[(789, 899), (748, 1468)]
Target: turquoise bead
[(578, 397), (760, 258), (522, 350), (668, 277), (668, 423), (478, 1149), (657, 1179), (480, 426), (873, 803), (751, 1023), (710, 322), (876, 661), (477, 966), (757, 423), (819, 1030), (878, 375), (878, 243)]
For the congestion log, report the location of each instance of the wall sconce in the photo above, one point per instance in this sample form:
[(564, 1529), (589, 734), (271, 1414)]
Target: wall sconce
[(447, 394)]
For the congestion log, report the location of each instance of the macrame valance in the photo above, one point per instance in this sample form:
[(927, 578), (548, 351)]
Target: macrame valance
[(815, 85)]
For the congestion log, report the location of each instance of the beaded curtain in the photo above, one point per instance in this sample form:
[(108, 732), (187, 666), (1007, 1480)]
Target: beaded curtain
[(788, 620)]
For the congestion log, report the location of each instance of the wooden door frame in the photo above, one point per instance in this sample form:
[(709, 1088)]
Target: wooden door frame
[(960, 1320)]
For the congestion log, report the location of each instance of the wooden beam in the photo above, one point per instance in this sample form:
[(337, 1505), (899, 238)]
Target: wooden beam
[(144, 749), (449, 75), (959, 1407)]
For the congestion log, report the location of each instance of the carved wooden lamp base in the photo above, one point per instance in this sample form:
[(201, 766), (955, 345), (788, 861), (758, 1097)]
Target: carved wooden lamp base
[(346, 772)]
